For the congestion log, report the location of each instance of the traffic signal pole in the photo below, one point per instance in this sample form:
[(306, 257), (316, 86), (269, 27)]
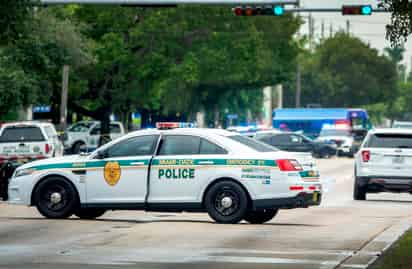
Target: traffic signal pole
[(172, 2)]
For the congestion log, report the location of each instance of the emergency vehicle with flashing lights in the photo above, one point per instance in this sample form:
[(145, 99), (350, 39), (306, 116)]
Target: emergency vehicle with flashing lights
[(384, 162), (230, 176), (21, 142)]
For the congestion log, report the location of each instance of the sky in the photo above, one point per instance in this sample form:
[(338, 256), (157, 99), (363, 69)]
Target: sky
[(370, 29)]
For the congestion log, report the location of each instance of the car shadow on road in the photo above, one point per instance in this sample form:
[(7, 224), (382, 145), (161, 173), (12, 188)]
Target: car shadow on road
[(137, 221)]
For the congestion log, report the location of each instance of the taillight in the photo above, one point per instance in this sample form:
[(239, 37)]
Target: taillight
[(366, 155), (47, 148), (289, 165)]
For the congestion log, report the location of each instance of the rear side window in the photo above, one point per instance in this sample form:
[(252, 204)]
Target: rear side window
[(115, 128), (389, 141), (207, 147), (21, 134), (180, 145), (252, 143), (50, 131)]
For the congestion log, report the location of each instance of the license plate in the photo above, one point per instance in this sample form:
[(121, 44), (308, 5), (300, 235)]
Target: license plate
[(398, 159), (315, 197)]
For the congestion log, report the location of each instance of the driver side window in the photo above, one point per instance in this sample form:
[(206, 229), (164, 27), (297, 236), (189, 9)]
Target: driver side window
[(135, 146)]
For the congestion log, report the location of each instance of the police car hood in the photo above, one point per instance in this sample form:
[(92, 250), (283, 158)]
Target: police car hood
[(56, 160)]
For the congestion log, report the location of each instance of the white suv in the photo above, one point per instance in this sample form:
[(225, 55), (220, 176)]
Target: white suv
[(27, 141), (84, 135), (384, 163)]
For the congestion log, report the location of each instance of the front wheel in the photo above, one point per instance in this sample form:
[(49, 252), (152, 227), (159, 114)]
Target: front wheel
[(56, 198), (261, 216), (226, 202), (89, 213)]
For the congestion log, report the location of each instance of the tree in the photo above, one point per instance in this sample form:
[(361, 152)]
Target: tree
[(345, 72), (14, 19), (401, 21), (176, 61)]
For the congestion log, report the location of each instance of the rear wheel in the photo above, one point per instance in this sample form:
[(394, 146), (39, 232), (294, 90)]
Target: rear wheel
[(89, 213), (261, 216), (56, 198), (359, 193), (226, 202)]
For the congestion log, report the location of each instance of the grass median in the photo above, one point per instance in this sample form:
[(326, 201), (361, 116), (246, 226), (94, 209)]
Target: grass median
[(399, 256)]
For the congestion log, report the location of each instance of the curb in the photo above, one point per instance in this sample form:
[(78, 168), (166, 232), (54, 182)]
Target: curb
[(372, 250)]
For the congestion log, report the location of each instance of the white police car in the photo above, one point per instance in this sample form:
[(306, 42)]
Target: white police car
[(230, 176)]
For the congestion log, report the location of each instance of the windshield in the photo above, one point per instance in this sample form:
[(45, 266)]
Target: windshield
[(334, 132), (390, 141), (21, 134), (251, 143)]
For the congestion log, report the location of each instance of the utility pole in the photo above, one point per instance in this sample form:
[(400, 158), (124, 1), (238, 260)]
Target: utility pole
[(310, 30), (330, 30), (348, 27), (65, 90), (323, 30)]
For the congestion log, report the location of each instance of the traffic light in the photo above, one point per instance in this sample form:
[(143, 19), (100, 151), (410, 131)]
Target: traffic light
[(277, 10), (357, 10)]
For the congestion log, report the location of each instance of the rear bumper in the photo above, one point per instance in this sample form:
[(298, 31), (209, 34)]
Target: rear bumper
[(385, 183), (302, 200)]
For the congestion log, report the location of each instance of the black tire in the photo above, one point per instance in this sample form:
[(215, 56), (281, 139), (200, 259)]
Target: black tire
[(43, 198), (77, 147), (359, 193), (89, 213), (261, 216), (226, 191)]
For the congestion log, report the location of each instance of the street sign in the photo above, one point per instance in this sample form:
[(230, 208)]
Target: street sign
[(173, 2)]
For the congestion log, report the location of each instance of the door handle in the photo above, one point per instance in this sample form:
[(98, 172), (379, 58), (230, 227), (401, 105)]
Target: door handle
[(206, 162), (137, 163)]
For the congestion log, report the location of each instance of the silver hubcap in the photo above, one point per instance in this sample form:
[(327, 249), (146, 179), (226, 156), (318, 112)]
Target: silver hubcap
[(227, 202), (55, 197)]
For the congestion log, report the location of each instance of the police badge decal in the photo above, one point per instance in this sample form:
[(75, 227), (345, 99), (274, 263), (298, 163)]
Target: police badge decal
[(112, 173)]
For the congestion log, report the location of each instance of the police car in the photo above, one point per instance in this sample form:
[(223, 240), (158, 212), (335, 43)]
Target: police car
[(230, 176)]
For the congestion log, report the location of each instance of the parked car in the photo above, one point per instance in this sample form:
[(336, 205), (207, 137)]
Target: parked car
[(84, 136), (288, 141), (26, 141), (383, 163)]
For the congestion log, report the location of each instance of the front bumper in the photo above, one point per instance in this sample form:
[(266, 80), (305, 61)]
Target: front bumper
[(302, 200), (385, 183)]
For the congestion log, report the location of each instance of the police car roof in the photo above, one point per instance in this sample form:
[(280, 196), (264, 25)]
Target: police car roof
[(391, 131), (217, 135)]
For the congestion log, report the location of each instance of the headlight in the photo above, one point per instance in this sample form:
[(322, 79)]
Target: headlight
[(24, 172)]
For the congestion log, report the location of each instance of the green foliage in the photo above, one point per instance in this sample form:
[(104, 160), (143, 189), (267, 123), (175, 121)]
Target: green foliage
[(15, 19), (345, 72), (401, 21)]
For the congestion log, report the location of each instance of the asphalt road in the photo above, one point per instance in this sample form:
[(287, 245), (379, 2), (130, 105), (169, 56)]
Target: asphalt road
[(341, 233)]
